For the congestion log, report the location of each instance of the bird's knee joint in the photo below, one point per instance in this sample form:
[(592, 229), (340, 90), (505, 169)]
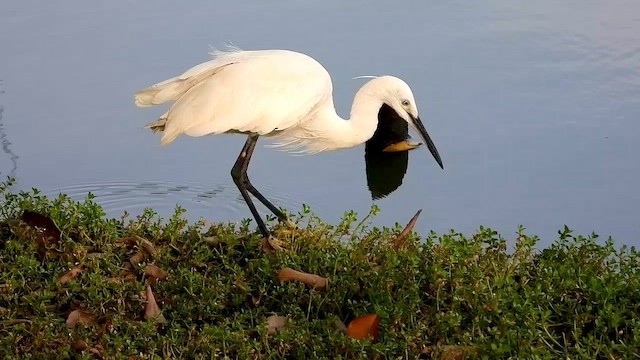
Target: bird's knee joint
[(239, 177)]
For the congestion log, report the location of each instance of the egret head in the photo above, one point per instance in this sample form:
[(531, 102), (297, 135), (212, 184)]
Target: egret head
[(395, 93)]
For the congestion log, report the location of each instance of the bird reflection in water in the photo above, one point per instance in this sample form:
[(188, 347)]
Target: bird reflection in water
[(386, 154)]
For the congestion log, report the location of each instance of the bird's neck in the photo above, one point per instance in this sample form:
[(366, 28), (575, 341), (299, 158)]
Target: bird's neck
[(360, 126)]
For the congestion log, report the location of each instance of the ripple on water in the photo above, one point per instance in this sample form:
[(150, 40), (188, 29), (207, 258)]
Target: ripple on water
[(223, 200)]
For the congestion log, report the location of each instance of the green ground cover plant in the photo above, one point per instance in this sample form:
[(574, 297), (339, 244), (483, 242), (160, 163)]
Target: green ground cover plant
[(76, 284)]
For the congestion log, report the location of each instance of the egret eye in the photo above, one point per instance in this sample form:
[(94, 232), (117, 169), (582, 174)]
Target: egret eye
[(405, 102)]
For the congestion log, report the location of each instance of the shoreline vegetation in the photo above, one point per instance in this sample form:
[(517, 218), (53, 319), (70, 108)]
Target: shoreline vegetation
[(75, 284)]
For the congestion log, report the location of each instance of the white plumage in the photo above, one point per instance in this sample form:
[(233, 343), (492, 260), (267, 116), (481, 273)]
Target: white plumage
[(282, 94), (270, 92)]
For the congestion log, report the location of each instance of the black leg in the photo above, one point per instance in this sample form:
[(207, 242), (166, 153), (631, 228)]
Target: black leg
[(239, 175), (263, 200)]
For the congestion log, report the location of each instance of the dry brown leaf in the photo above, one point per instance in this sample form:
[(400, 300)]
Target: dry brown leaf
[(17, 322), (340, 326), (105, 326), (315, 281), (126, 242), (275, 323), (42, 223), (71, 274), (80, 317), (95, 255), (97, 351), (152, 311), (137, 258), (79, 345), (148, 246), (155, 272), (48, 233), (363, 327), (399, 241)]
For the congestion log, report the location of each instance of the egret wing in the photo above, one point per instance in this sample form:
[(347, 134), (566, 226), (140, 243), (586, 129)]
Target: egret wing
[(172, 89), (261, 93)]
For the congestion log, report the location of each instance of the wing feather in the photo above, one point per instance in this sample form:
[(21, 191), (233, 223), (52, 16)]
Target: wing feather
[(263, 92)]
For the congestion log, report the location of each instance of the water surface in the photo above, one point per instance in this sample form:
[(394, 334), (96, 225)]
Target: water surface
[(533, 106)]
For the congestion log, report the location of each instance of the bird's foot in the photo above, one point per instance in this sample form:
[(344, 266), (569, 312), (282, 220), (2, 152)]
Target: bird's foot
[(404, 145), (290, 224), (270, 244)]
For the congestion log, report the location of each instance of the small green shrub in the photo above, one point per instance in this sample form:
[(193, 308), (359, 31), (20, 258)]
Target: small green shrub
[(442, 295)]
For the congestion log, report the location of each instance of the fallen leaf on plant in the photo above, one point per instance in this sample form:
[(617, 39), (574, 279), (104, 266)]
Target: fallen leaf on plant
[(105, 327), (148, 247), (80, 317), (367, 326), (315, 281), (152, 311), (96, 351), (49, 234), (137, 258), (79, 345), (17, 322), (275, 323), (42, 223), (126, 242), (398, 242), (155, 272), (71, 274)]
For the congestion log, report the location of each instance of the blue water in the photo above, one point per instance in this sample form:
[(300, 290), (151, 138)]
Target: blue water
[(534, 107)]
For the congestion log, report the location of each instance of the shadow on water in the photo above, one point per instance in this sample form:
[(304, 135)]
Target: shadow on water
[(385, 172), (6, 144), (386, 154)]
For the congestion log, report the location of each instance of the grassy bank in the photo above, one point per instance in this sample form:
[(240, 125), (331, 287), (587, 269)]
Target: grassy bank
[(74, 284)]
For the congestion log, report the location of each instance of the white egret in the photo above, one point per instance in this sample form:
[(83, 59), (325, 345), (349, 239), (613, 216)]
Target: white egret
[(281, 94)]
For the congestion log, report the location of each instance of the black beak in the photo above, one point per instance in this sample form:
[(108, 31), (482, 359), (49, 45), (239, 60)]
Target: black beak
[(425, 136)]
